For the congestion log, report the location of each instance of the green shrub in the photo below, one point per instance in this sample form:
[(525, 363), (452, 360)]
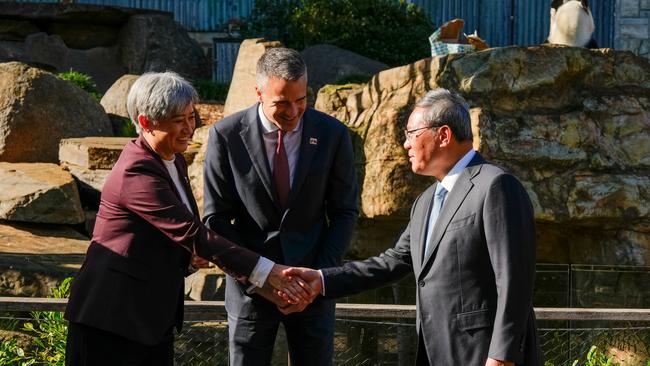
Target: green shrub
[(390, 31), (210, 90), (48, 331), (83, 81)]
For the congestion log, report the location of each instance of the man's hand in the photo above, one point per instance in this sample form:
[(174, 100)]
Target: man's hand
[(295, 289), (268, 292), (311, 276), (493, 362)]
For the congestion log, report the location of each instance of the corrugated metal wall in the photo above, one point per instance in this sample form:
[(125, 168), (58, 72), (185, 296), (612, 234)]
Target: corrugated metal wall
[(194, 15), (224, 56), (518, 22)]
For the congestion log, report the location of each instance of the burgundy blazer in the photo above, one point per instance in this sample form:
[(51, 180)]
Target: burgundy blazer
[(131, 282)]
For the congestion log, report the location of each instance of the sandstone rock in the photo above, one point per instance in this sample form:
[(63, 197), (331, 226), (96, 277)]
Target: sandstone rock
[(195, 170), (573, 124), (114, 100), (242, 87), (92, 152), (326, 64), (37, 192), (36, 258), (206, 284), (37, 110), (45, 49), (155, 42)]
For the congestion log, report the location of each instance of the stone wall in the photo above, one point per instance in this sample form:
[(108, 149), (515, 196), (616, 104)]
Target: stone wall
[(573, 124), (632, 26)]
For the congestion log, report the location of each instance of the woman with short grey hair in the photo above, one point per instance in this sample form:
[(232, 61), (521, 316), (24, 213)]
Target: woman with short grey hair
[(128, 294)]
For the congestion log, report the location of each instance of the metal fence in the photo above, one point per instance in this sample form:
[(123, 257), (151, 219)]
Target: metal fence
[(368, 334)]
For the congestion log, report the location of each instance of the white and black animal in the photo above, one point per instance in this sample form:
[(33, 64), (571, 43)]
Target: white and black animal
[(572, 24)]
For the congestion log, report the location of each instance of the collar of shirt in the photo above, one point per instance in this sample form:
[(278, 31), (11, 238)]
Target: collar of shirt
[(450, 179), (269, 127)]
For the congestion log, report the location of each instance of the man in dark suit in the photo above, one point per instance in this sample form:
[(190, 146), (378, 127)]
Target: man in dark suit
[(280, 180), (470, 243)]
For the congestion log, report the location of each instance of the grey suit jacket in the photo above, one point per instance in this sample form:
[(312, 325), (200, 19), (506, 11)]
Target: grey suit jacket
[(475, 285), (241, 201)]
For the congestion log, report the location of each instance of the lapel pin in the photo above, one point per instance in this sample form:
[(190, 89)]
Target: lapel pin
[(313, 141)]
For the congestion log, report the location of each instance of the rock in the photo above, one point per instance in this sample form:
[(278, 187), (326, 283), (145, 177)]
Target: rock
[(242, 87), (36, 258), (326, 64), (206, 284), (209, 112), (45, 49), (37, 192), (37, 110), (83, 36), (101, 63), (195, 169), (155, 42), (16, 30), (114, 100), (573, 124), (92, 152)]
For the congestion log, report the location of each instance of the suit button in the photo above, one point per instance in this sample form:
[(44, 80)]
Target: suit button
[(421, 283)]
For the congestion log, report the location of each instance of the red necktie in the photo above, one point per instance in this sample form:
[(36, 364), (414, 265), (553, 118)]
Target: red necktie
[(281, 171)]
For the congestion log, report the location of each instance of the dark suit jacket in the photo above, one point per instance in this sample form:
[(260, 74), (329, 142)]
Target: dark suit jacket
[(131, 282), (475, 285), (241, 200)]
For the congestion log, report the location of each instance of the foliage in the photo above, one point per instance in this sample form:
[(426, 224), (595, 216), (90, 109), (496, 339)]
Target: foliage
[(210, 90), (49, 332), (83, 81), (127, 128), (271, 19), (12, 354), (354, 79), (390, 31)]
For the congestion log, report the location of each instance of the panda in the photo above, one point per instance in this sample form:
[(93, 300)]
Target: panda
[(572, 24)]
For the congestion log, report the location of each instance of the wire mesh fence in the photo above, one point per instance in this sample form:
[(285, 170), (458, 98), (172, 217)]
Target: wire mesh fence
[(376, 338)]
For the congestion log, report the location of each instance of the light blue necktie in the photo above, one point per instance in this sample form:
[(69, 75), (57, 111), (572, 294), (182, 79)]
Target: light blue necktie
[(438, 200)]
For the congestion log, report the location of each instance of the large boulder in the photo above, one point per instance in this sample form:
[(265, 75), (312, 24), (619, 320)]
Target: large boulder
[(114, 100), (38, 192), (326, 64), (46, 49), (34, 259), (242, 87), (104, 42), (155, 42), (573, 124), (38, 109)]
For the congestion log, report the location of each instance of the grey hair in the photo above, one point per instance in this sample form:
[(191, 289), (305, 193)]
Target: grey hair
[(447, 108), (159, 95), (280, 62)]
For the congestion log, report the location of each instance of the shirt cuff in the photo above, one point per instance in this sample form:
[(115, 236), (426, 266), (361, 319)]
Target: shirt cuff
[(261, 271), (322, 282)]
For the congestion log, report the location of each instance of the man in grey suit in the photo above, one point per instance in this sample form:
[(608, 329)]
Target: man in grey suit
[(280, 180), (470, 243)]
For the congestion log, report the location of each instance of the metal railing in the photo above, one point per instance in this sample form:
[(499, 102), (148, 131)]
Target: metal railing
[(373, 334)]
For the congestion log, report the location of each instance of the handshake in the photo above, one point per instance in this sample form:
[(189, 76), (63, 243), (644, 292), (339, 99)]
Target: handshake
[(291, 289)]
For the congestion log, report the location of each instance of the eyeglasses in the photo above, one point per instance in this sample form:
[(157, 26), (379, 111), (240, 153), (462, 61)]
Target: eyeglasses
[(410, 134)]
